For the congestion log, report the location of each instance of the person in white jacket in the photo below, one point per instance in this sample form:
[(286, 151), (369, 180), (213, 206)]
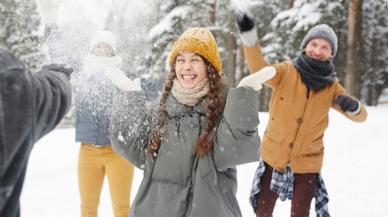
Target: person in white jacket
[(94, 91)]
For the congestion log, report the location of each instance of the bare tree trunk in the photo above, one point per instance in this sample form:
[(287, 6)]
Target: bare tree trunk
[(231, 47), (354, 54), (291, 3), (212, 15), (242, 70), (264, 98)]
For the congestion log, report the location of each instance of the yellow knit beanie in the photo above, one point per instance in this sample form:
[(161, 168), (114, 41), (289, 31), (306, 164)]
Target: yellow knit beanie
[(200, 41)]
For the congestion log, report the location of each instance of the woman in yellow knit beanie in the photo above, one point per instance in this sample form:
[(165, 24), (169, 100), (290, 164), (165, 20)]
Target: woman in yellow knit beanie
[(198, 135)]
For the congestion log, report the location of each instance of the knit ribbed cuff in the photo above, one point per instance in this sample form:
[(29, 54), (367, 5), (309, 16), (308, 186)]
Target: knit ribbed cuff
[(357, 111)]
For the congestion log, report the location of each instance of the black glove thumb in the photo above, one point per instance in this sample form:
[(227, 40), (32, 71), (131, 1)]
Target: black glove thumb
[(244, 22)]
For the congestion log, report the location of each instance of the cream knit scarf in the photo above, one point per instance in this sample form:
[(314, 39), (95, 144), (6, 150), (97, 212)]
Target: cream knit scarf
[(191, 96), (103, 62)]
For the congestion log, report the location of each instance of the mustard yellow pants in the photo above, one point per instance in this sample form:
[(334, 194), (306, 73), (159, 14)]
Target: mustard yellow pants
[(93, 164)]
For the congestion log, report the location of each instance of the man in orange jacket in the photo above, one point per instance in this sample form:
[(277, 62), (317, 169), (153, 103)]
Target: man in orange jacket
[(304, 90)]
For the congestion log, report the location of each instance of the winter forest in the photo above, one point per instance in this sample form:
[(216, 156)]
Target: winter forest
[(45, 31), (40, 32)]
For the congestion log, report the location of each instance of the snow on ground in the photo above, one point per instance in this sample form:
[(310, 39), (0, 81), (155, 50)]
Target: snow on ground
[(356, 156)]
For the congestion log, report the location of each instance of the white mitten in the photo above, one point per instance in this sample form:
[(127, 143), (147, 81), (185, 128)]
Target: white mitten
[(256, 80), (121, 80), (249, 38)]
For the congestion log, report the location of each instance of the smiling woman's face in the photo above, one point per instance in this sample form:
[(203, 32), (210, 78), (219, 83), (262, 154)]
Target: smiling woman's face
[(190, 69)]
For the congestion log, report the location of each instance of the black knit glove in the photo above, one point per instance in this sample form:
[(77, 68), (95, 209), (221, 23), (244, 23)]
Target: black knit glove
[(346, 103), (61, 68), (244, 22)]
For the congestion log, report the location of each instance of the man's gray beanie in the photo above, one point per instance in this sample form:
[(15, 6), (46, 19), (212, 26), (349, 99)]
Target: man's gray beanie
[(322, 31)]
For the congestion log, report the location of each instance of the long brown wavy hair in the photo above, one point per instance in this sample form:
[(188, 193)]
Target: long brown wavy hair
[(214, 108)]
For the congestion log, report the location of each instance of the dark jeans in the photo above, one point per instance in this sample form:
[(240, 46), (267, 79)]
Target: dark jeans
[(303, 192)]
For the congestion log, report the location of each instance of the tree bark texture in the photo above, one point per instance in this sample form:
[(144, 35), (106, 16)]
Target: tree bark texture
[(354, 54)]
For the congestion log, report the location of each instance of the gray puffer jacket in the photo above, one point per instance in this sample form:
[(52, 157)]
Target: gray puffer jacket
[(177, 182)]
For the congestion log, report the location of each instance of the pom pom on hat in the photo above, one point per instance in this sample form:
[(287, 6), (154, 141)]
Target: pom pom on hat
[(200, 41)]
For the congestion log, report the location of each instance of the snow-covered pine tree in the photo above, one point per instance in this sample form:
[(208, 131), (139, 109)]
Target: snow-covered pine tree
[(264, 11), (167, 26), (19, 25), (375, 50)]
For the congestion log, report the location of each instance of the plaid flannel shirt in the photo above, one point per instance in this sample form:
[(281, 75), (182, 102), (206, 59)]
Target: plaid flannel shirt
[(282, 184)]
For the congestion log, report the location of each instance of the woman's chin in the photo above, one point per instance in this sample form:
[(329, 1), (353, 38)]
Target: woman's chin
[(188, 84)]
